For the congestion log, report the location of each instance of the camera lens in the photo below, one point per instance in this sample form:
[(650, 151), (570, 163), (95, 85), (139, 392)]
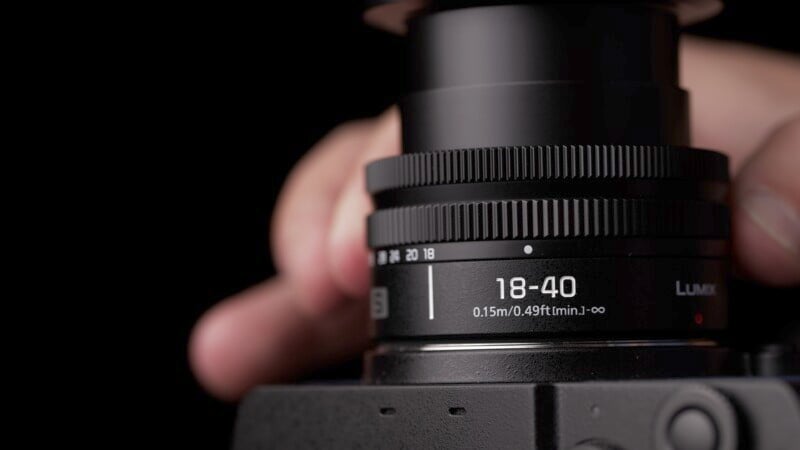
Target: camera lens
[(547, 220)]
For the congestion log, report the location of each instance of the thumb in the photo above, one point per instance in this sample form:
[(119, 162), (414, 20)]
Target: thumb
[(766, 209), (347, 242)]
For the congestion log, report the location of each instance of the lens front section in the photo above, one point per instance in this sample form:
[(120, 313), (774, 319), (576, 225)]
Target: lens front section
[(489, 255)]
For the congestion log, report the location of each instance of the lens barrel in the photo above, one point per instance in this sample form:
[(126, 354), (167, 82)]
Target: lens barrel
[(547, 220), (543, 74), (550, 240)]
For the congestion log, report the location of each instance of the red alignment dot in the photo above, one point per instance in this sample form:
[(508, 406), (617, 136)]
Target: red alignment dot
[(698, 318)]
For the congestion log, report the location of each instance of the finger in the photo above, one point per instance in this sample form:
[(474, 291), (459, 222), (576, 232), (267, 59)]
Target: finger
[(739, 94), (347, 244), (303, 215), (262, 336), (766, 214)]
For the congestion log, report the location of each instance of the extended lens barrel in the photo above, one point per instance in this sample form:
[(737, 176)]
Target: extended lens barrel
[(546, 220)]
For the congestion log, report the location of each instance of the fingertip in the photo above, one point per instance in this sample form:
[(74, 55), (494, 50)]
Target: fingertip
[(246, 340), (759, 255), (766, 210), (210, 358)]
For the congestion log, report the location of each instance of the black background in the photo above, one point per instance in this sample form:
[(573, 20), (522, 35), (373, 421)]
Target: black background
[(242, 93)]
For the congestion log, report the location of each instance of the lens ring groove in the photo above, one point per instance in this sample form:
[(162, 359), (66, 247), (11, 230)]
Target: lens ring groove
[(546, 218), (545, 162)]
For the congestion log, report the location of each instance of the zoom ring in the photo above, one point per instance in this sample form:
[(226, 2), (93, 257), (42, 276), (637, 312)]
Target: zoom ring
[(546, 218), (527, 163)]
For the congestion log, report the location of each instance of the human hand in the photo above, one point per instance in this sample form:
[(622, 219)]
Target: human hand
[(745, 102)]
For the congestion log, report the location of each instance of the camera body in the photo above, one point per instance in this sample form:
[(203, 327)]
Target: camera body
[(550, 260), (677, 414)]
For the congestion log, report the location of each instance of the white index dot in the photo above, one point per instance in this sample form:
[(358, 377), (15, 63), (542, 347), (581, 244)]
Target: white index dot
[(528, 249)]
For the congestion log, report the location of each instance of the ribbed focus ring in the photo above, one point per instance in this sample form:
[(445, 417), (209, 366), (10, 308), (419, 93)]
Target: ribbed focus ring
[(546, 218), (550, 162)]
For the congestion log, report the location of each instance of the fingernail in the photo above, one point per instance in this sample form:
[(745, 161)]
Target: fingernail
[(777, 217)]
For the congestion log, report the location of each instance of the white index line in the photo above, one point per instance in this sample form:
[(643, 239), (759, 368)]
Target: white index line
[(430, 292)]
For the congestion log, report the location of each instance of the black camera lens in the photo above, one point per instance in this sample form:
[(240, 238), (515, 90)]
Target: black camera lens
[(547, 220)]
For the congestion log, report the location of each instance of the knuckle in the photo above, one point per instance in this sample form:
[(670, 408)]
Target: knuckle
[(348, 129)]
